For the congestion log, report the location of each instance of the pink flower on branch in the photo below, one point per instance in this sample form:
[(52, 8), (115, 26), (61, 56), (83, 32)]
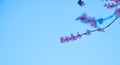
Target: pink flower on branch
[(73, 37), (100, 29), (82, 17), (78, 35), (67, 39), (117, 12), (92, 21), (110, 6), (62, 39), (88, 32)]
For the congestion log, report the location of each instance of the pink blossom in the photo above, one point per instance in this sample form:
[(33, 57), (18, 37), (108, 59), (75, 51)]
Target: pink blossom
[(73, 37), (117, 12), (67, 39), (83, 16), (78, 35), (100, 29), (92, 22), (107, 5), (110, 5), (62, 39), (88, 32)]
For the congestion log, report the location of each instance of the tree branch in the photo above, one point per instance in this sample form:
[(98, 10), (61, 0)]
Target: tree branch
[(107, 25)]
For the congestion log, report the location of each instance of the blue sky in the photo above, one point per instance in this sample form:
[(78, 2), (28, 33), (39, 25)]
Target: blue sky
[(30, 31)]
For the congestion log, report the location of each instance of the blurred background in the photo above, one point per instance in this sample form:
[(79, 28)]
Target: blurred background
[(30, 32)]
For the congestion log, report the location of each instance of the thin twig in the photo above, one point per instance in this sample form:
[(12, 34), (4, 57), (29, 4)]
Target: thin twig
[(105, 26)]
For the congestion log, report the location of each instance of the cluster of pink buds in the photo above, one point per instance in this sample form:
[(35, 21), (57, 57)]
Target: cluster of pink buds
[(117, 12), (73, 37), (90, 20), (112, 3)]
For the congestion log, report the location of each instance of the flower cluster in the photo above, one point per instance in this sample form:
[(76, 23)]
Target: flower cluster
[(85, 19), (117, 12), (110, 4), (73, 37), (92, 21)]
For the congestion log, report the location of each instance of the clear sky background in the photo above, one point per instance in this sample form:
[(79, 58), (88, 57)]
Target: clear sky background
[(30, 31)]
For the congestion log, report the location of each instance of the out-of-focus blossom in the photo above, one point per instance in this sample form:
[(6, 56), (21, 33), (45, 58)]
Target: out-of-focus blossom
[(67, 39), (92, 22), (88, 32), (62, 39), (73, 37), (82, 17), (116, 1), (117, 12), (100, 29), (78, 35), (110, 6), (81, 3)]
